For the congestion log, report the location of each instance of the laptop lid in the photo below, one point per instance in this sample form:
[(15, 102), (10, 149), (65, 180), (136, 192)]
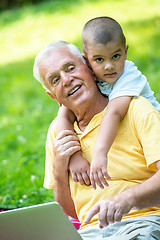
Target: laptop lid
[(39, 222)]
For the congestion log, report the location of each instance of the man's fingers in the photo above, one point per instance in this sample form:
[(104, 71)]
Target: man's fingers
[(110, 214), (58, 143), (118, 216), (68, 145), (64, 133), (93, 211), (103, 221), (69, 151)]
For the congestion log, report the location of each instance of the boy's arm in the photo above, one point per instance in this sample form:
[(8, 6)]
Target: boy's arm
[(79, 166), (109, 126), (66, 119)]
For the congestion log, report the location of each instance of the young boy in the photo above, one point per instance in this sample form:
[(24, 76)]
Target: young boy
[(105, 51)]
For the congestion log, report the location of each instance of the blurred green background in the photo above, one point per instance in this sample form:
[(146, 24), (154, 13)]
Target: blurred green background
[(25, 110)]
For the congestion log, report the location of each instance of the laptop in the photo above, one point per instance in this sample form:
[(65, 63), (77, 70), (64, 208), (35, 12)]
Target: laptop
[(39, 222)]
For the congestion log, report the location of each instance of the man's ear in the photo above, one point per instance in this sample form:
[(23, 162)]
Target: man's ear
[(85, 57), (89, 66), (51, 95)]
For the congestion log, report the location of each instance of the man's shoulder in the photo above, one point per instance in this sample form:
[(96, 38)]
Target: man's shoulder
[(141, 105), (52, 127)]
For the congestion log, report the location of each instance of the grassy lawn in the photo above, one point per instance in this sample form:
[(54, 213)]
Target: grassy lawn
[(26, 111)]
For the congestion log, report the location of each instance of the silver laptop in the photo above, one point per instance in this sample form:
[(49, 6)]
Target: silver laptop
[(39, 222)]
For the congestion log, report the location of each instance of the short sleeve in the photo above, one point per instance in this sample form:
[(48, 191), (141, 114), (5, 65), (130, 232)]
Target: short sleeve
[(147, 125), (150, 137), (49, 179), (131, 83)]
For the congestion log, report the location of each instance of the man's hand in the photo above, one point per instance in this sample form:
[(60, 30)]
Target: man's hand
[(80, 169), (98, 171), (110, 210), (65, 144)]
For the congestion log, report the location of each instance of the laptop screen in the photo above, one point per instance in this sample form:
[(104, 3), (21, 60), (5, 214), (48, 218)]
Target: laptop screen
[(39, 222)]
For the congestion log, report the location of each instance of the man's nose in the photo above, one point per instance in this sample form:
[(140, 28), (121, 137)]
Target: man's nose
[(66, 78), (108, 66)]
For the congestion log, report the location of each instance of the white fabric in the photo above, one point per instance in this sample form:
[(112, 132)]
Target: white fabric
[(131, 83), (139, 228)]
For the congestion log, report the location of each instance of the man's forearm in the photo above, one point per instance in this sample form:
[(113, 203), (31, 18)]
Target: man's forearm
[(147, 194), (65, 144), (63, 195)]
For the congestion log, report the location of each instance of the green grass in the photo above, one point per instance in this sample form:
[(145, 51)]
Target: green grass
[(25, 110)]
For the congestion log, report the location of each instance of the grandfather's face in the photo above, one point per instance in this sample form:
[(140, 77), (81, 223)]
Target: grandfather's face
[(69, 80)]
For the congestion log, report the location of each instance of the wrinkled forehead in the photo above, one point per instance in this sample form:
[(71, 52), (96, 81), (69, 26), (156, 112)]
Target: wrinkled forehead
[(54, 60), (57, 59)]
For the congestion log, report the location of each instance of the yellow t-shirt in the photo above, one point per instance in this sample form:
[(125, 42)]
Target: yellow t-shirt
[(130, 159)]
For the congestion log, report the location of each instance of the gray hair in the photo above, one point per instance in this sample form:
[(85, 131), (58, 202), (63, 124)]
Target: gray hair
[(42, 54)]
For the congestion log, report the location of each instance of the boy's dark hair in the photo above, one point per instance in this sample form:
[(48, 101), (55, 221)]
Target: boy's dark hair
[(102, 30)]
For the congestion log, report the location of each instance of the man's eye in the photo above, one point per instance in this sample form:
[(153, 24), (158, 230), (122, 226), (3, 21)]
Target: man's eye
[(99, 60), (116, 56), (71, 68), (55, 80)]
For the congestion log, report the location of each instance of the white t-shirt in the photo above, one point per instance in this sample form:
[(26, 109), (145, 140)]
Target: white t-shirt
[(131, 83)]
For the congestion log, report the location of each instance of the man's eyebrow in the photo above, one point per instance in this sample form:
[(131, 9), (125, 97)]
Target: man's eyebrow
[(66, 64), (50, 75)]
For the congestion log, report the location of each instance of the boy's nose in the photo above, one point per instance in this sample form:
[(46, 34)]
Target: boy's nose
[(108, 66)]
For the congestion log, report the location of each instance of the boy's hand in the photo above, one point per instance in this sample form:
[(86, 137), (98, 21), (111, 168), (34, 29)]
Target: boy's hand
[(80, 169), (98, 171)]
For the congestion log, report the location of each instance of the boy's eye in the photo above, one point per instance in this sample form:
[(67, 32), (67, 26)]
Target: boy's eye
[(99, 60), (116, 56)]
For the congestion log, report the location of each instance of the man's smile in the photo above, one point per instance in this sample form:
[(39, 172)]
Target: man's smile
[(75, 89)]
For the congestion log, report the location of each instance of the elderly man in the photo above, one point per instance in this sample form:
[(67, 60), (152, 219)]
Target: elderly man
[(129, 206)]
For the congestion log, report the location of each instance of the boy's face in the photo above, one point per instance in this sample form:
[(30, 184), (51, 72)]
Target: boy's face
[(107, 61)]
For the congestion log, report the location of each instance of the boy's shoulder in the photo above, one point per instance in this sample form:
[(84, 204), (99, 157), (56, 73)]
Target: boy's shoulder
[(128, 64)]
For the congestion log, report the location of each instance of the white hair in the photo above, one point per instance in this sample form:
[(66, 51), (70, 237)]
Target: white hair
[(42, 54)]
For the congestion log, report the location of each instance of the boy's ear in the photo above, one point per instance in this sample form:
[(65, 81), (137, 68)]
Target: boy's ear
[(126, 49)]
